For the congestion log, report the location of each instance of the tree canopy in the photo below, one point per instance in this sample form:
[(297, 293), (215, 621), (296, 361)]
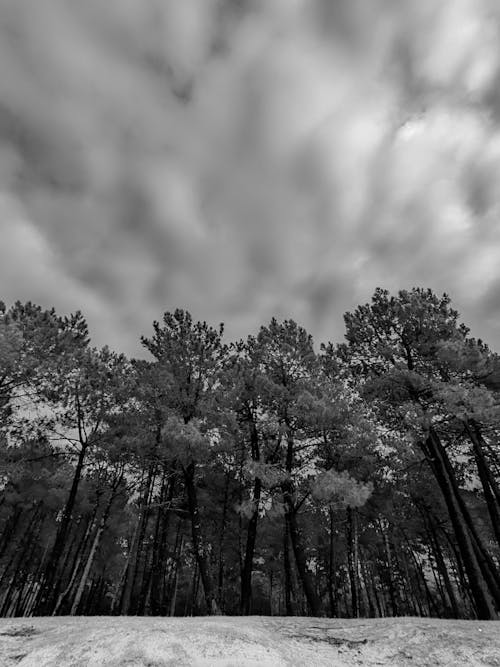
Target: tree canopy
[(263, 476)]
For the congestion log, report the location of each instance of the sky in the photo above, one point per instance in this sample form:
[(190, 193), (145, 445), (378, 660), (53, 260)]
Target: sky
[(244, 159)]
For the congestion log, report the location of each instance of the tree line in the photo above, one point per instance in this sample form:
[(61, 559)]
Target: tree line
[(257, 477)]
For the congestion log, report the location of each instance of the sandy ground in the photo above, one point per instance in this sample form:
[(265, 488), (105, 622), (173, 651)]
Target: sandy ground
[(247, 642)]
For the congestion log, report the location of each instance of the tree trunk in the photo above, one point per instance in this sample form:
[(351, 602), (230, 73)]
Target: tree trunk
[(246, 575), (246, 572), (366, 586), (437, 457), (23, 596), (126, 578), (298, 546), (139, 582), (10, 529), (159, 548), (289, 610), (390, 572), (300, 559), (21, 572), (332, 584), (77, 559), (353, 561), (198, 548), (433, 610), (93, 550), (49, 590), (173, 599), (443, 570), (460, 575), (484, 559), (488, 482), (220, 579), (34, 523), (172, 572), (133, 559)]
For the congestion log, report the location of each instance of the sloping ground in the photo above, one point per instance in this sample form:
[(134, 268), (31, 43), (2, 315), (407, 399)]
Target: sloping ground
[(246, 642)]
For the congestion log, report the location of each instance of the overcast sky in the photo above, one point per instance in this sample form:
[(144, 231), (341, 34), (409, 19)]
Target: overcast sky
[(248, 158)]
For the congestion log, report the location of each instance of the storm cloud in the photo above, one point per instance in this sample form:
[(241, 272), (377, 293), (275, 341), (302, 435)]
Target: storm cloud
[(244, 159)]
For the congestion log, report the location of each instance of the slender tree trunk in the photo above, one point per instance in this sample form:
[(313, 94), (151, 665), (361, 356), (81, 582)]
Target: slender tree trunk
[(431, 603), (159, 551), (289, 609), (90, 601), (147, 554), (126, 578), (173, 599), (390, 570), (296, 539), (488, 482), (405, 589), (301, 562), (92, 552), (77, 559), (49, 590), (377, 592), (486, 564), (198, 547), (418, 575), (460, 575), (222, 535), (194, 590), (139, 582), (22, 568), (27, 534), (437, 581), (21, 602), (9, 530), (172, 574), (246, 572), (22, 608), (86, 570), (443, 570), (332, 584), (437, 457), (37, 578), (246, 575), (353, 561), (71, 583), (134, 555), (367, 586)]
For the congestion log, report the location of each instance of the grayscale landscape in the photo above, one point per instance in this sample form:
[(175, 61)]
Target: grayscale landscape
[(249, 322)]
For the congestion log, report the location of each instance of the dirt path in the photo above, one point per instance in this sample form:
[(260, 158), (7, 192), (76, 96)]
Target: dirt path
[(246, 642)]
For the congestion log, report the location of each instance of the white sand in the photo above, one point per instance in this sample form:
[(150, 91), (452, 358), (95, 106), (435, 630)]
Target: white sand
[(246, 642)]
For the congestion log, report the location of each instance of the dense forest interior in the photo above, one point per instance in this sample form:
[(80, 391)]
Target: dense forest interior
[(260, 477)]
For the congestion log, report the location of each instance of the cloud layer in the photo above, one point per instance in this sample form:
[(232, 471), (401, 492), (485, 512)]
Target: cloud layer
[(248, 158)]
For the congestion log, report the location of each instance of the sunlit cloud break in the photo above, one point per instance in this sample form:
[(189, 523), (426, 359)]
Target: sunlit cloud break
[(244, 159)]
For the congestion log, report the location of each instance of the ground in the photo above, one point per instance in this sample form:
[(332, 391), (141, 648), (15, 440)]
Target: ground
[(254, 641)]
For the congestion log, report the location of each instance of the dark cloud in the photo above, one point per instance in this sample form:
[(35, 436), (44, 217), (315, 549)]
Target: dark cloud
[(248, 159)]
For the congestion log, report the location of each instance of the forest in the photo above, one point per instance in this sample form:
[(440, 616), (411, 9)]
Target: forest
[(266, 476)]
